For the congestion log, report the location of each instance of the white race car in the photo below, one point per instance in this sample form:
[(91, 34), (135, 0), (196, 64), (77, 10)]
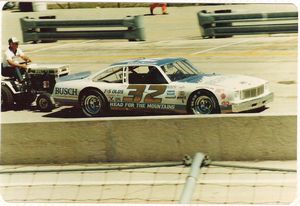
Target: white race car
[(162, 85)]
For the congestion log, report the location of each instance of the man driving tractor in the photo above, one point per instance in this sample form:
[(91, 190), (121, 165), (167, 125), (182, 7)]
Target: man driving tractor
[(10, 66)]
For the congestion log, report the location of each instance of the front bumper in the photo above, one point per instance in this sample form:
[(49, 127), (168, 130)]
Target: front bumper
[(248, 105)]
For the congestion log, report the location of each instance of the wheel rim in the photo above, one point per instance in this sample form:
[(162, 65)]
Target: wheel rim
[(43, 103), (203, 105), (92, 104)]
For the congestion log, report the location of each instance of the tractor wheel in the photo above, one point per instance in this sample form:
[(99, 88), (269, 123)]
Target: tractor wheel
[(44, 103), (7, 99)]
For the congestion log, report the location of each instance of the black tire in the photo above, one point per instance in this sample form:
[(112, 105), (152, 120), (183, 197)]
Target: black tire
[(203, 102), (93, 103), (25, 99), (44, 103), (7, 99)]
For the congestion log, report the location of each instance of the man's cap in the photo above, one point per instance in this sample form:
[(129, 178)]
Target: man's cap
[(13, 40)]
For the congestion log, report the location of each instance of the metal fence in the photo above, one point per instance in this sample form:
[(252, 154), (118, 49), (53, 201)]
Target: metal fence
[(64, 29), (191, 181), (226, 24)]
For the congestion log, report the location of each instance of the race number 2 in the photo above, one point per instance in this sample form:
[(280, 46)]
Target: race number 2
[(158, 90), (136, 95)]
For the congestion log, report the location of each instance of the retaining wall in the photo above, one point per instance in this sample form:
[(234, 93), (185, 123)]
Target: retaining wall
[(222, 137)]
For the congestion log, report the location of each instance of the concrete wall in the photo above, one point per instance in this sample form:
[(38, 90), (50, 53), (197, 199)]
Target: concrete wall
[(225, 137)]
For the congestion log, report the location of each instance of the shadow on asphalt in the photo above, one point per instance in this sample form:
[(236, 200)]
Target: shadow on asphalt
[(74, 112)]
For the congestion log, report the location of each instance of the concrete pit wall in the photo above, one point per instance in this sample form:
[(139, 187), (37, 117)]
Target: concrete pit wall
[(222, 137)]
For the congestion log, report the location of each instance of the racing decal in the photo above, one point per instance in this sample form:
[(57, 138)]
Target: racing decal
[(158, 90), (136, 94), (182, 95), (142, 105), (113, 91), (161, 106), (66, 91), (171, 94)]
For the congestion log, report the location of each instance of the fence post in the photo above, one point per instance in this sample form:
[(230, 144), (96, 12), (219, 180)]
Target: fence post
[(136, 29), (191, 180)]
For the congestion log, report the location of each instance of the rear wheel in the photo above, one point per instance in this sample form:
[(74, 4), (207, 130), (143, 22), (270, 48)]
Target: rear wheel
[(203, 102), (93, 103), (7, 99), (44, 103)]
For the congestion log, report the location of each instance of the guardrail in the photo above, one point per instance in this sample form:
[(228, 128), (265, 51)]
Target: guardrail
[(32, 29), (226, 24)]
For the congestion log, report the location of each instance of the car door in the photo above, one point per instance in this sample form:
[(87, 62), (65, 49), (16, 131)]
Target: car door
[(147, 89), (112, 84)]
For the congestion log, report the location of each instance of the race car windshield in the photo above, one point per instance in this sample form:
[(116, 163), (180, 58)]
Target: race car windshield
[(180, 70)]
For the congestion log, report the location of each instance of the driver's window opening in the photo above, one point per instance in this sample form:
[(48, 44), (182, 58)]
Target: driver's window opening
[(145, 75)]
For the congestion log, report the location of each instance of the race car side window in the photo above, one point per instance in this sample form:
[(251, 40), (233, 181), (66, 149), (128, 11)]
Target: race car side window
[(137, 74), (112, 75), (145, 75)]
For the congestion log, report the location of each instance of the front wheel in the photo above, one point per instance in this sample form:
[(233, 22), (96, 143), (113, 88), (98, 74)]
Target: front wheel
[(44, 103), (203, 102), (93, 103)]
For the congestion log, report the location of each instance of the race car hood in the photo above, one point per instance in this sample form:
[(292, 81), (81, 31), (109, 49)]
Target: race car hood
[(234, 82), (76, 76)]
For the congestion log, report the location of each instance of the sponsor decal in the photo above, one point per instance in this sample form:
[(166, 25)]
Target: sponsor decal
[(170, 97), (111, 99), (113, 91), (182, 95), (171, 94), (142, 105), (66, 91)]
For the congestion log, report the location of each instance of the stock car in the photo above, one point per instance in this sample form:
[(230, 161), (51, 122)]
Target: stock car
[(160, 85)]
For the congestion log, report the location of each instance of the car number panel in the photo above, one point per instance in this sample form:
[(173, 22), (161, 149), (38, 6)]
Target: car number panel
[(142, 97)]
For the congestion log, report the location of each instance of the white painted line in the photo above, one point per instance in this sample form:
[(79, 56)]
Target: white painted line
[(59, 46), (226, 45)]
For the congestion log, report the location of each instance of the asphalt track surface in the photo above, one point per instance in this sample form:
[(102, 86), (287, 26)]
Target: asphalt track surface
[(271, 57)]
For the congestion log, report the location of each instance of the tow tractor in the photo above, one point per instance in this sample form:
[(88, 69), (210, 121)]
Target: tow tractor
[(38, 87)]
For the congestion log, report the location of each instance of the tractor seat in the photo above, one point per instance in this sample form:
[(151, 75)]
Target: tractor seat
[(6, 75)]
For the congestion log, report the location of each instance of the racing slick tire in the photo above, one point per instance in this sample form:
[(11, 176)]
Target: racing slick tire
[(7, 99), (203, 102), (93, 103), (44, 103)]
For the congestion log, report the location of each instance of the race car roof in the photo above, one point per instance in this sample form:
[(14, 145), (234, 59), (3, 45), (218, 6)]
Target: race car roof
[(149, 61)]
